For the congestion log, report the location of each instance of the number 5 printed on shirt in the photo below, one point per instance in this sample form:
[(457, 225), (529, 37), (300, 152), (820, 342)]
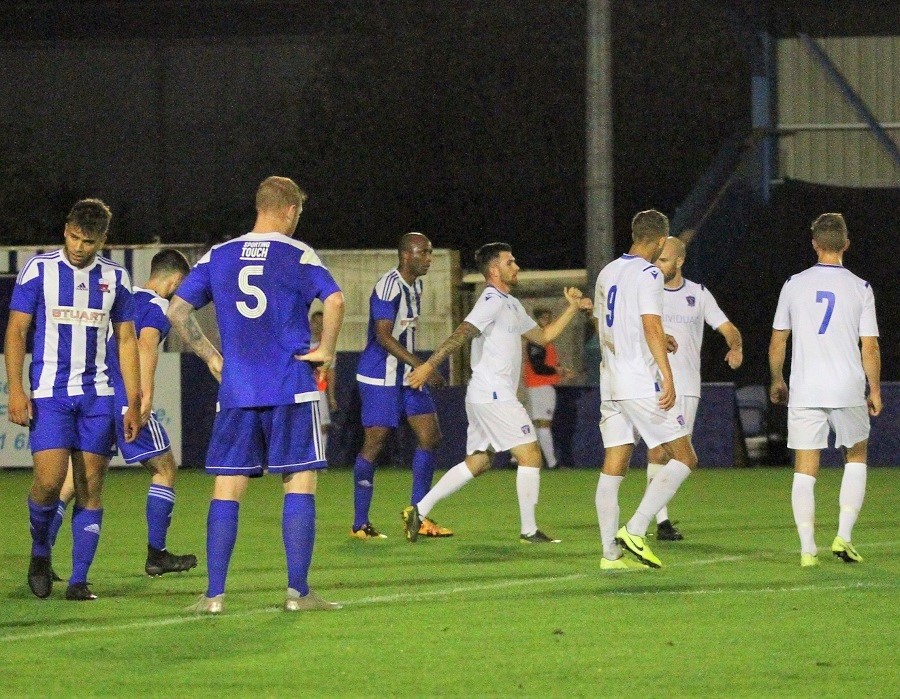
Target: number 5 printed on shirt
[(828, 297), (246, 287)]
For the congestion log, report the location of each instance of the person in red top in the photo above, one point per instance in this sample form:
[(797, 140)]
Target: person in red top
[(542, 372)]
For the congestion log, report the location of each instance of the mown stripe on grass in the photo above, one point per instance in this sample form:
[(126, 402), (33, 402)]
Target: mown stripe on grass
[(423, 595)]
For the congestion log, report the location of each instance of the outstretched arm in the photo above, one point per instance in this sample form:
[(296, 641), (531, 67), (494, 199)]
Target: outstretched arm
[(732, 335), (181, 316), (577, 302), (462, 334), (778, 390)]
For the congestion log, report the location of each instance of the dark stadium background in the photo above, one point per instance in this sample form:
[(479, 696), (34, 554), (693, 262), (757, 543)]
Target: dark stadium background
[(464, 120)]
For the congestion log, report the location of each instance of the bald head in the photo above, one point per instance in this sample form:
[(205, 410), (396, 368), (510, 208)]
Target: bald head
[(409, 241), (674, 248), (670, 260), (414, 251)]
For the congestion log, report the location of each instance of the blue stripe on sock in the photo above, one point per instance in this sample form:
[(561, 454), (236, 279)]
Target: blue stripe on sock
[(160, 503)]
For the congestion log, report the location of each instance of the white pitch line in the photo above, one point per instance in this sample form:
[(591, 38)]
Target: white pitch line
[(445, 592), (751, 591)]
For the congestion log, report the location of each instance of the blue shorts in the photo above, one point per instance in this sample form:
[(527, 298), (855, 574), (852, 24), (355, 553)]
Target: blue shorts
[(383, 406), (80, 423), (151, 441), (280, 438)]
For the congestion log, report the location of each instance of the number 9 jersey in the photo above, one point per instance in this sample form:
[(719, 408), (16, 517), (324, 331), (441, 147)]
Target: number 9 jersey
[(627, 288), (827, 308), (262, 286)]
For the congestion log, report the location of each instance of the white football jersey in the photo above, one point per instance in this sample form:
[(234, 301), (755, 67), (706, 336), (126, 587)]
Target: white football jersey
[(827, 308), (685, 309), (497, 351), (628, 288)]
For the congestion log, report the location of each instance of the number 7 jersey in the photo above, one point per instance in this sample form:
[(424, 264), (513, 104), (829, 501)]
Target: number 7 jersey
[(827, 308), (262, 286)]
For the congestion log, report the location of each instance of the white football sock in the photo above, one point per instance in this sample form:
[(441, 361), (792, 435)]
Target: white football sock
[(545, 439), (853, 490), (803, 502), (528, 486), (661, 489), (652, 470), (450, 482), (607, 500)]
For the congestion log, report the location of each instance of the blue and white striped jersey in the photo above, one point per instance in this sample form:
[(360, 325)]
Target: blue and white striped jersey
[(401, 303), (262, 286), (149, 312), (72, 309)]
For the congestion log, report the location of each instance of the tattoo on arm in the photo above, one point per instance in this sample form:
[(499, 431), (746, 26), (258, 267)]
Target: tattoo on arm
[(460, 336), (180, 314)]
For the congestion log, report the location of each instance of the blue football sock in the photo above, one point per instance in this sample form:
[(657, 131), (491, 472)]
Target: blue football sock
[(363, 487), (422, 474), (221, 533), (85, 537), (298, 527), (57, 522), (160, 503), (40, 517)]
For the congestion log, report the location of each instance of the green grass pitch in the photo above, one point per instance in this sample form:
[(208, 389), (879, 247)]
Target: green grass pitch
[(730, 614)]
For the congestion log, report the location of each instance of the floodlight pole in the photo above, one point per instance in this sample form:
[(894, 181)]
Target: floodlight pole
[(599, 235)]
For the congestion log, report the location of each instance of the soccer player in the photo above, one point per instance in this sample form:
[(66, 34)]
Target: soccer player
[(74, 295), (497, 420), (263, 284), (151, 448), (686, 306), (326, 382), (542, 373), (383, 380), (637, 392), (831, 313)]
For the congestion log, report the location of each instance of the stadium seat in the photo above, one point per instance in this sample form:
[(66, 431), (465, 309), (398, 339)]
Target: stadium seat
[(753, 407)]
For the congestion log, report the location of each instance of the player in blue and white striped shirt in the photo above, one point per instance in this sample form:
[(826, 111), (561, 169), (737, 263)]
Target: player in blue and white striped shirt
[(151, 448), (385, 364), (74, 296)]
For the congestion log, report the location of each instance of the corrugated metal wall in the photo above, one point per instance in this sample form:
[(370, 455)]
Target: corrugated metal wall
[(356, 271), (814, 146)]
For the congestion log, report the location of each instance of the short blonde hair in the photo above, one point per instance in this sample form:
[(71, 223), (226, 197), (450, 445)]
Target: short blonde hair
[(278, 193), (830, 232), (649, 224)]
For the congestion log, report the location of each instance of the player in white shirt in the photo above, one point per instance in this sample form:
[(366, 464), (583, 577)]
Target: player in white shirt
[(831, 313), (687, 306), (497, 420), (637, 392)]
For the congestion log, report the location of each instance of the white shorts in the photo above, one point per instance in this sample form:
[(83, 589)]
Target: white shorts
[(808, 427), (688, 409), (324, 410), (626, 421), (499, 425), (541, 402)]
